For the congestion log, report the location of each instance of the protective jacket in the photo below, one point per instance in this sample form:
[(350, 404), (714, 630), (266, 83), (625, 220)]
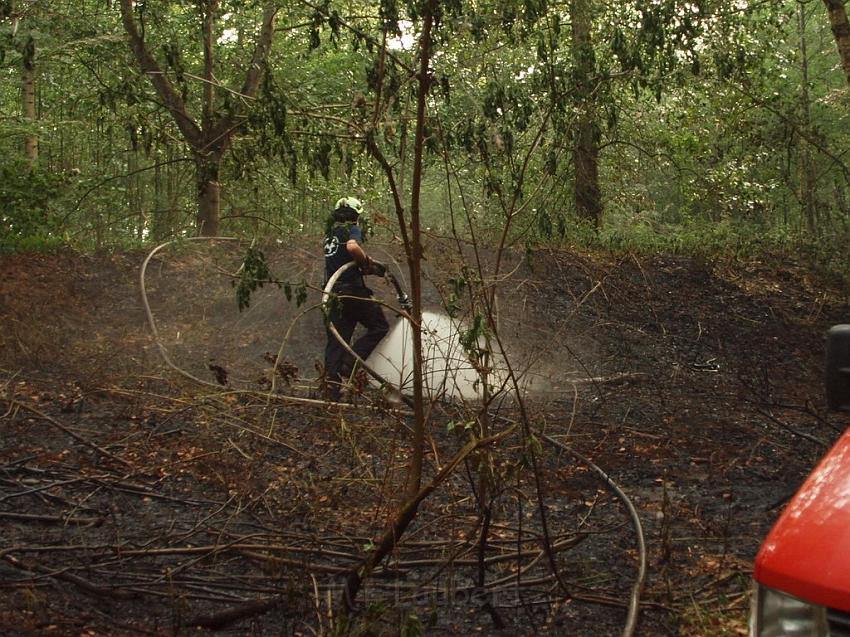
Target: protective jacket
[(336, 255)]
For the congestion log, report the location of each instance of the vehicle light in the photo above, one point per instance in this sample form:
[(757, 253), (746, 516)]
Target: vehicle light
[(775, 614)]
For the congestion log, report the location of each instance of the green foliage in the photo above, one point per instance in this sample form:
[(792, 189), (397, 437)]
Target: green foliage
[(332, 307), (253, 274), (28, 217), (268, 120), (471, 339), (699, 110), (297, 292), (457, 288), (550, 224), (710, 242), (829, 256)]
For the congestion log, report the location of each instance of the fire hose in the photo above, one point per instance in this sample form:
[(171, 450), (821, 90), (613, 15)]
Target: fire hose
[(403, 300)]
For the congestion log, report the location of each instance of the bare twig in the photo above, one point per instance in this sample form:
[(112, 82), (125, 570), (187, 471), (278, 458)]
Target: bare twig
[(66, 430)]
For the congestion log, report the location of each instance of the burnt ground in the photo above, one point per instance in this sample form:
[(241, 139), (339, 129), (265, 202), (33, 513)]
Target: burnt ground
[(134, 501)]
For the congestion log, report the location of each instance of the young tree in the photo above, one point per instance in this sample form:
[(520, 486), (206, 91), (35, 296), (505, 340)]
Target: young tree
[(399, 121), (28, 94), (210, 135)]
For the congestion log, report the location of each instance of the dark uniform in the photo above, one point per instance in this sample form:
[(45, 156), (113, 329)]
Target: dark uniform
[(346, 313)]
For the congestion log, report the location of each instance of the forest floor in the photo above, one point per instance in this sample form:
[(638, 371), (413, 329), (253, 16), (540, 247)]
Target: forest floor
[(134, 501)]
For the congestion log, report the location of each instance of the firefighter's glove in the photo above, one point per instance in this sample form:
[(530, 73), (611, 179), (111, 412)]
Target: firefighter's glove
[(375, 267)]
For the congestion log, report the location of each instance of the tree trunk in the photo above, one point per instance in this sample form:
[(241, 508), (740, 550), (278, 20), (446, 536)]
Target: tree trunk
[(588, 198), (414, 477), (208, 10), (840, 31), (134, 202), (209, 195), (28, 91), (158, 215), (807, 172)]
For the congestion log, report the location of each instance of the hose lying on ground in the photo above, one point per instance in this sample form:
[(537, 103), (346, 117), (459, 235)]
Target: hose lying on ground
[(637, 589), (164, 352)]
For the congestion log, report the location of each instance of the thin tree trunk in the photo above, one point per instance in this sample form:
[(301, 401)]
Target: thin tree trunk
[(133, 202), (840, 31), (173, 191), (209, 9), (208, 168), (414, 492), (414, 477), (807, 173), (28, 91), (159, 203), (588, 198)]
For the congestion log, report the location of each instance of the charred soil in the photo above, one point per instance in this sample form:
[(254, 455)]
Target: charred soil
[(134, 501)]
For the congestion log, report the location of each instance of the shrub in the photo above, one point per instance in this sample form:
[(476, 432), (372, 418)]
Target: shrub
[(27, 218)]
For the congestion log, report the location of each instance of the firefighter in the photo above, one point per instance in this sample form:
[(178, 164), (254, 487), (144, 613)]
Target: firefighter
[(344, 243)]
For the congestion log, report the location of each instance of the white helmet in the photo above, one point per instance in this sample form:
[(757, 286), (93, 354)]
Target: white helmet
[(351, 202)]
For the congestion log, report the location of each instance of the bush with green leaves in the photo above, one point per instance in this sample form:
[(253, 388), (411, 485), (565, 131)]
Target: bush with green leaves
[(28, 218)]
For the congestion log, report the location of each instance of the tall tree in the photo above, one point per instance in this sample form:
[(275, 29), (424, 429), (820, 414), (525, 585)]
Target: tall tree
[(210, 138), (588, 198), (807, 171), (23, 40), (28, 99)]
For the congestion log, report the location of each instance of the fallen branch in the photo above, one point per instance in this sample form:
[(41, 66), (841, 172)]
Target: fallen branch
[(83, 584), (802, 434), (231, 615), (51, 519), (65, 430)]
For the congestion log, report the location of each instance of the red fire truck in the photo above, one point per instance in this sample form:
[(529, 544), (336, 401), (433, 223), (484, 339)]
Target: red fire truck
[(802, 571)]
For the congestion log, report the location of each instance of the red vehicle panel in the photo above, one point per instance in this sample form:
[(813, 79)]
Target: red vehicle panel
[(807, 553)]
